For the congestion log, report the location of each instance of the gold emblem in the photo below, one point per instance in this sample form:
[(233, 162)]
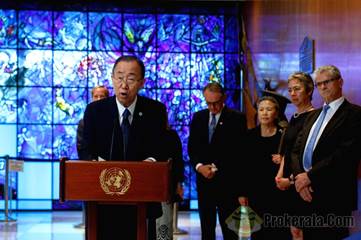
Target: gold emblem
[(115, 181)]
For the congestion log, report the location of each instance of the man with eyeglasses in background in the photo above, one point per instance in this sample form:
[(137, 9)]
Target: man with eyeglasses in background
[(125, 127), (325, 160), (215, 145)]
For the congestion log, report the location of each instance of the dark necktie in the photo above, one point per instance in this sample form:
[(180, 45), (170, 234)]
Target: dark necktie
[(125, 130), (212, 127), (307, 156)]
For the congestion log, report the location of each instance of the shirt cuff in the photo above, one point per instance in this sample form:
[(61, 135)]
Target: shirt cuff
[(151, 159), (198, 165)]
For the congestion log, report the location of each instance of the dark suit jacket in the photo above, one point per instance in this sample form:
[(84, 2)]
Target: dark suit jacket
[(80, 147), (103, 136), (224, 150), (174, 150), (335, 159)]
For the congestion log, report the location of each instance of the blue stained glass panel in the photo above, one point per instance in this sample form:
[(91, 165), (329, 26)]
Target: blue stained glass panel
[(173, 33), (139, 32), (70, 30), (206, 68), (187, 181), (36, 68), (146, 92), (177, 103), (173, 70), (35, 29), (231, 33), (183, 133), (232, 72), (233, 99), (35, 105), (8, 29), (64, 143), (150, 62), (8, 104), (105, 31), (34, 141), (100, 65), (207, 33), (69, 104), (70, 68), (8, 67), (197, 101)]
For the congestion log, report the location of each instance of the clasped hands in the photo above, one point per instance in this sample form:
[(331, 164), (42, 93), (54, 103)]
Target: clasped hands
[(303, 186), (208, 171)]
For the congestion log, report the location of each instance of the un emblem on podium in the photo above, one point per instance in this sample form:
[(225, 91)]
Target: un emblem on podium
[(115, 181)]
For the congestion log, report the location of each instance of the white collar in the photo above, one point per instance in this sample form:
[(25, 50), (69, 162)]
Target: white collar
[(131, 108)]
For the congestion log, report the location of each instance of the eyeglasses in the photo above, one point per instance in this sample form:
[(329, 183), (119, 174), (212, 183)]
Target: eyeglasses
[(131, 80), (326, 82)]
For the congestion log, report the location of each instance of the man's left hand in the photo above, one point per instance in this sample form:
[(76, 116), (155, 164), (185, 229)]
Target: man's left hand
[(302, 181)]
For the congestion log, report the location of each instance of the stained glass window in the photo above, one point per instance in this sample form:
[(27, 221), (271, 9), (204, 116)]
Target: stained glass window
[(51, 59)]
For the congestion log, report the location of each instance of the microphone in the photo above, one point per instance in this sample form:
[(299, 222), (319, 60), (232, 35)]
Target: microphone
[(112, 140)]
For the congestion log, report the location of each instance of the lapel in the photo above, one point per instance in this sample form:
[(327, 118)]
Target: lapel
[(334, 122)]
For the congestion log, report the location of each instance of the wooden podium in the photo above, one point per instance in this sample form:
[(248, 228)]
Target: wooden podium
[(114, 182)]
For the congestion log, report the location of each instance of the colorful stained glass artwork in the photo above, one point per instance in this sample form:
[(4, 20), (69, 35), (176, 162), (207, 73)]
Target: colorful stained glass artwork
[(207, 33), (70, 30), (177, 103), (206, 68), (173, 70), (231, 34), (35, 105), (197, 101), (35, 29), (8, 104), (139, 32), (35, 68), (100, 66), (232, 72), (70, 68), (64, 143), (150, 62), (173, 33), (147, 92), (105, 31), (8, 67), (8, 29), (69, 104), (34, 141), (233, 99), (50, 61)]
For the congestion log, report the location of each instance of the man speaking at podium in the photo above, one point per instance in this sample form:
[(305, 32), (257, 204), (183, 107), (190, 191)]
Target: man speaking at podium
[(125, 127)]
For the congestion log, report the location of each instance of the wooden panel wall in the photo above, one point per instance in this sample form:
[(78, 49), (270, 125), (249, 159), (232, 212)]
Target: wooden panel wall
[(276, 29)]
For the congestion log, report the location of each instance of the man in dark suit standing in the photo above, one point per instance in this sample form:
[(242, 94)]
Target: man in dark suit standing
[(125, 127), (325, 160), (215, 140)]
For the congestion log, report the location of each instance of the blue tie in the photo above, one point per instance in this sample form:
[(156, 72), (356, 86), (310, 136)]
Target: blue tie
[(307, 156), (212, 127), (125, 130)]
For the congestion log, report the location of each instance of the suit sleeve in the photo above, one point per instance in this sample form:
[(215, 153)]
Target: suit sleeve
[(88, 142)]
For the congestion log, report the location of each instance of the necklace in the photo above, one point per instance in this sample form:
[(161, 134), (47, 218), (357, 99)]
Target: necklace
[(297, 114)]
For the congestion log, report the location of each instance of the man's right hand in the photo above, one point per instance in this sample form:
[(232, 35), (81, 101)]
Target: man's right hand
[(207, 171)]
